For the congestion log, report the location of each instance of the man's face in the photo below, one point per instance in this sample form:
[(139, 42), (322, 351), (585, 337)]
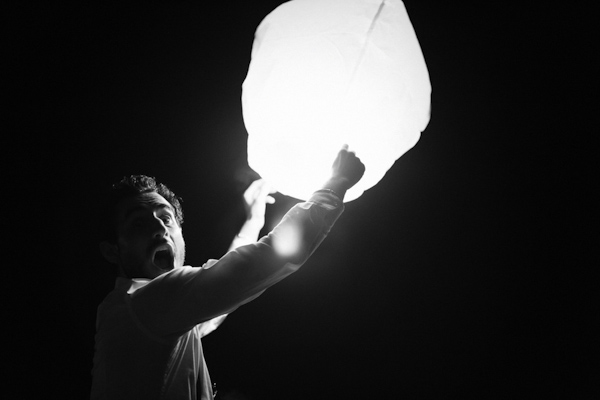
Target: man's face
[(149, 239)]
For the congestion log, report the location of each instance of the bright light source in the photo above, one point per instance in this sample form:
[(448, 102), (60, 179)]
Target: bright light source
[(325, 73)]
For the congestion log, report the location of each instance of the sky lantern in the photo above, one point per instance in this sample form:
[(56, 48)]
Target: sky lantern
[(325, 73)]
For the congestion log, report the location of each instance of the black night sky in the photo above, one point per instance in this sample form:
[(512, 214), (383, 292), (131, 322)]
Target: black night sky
[(469, 271)]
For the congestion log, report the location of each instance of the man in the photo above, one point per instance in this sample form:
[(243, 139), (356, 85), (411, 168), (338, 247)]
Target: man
[(149, 327)]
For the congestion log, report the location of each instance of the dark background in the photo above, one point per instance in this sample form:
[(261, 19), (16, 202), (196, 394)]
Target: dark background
[(469, 271)]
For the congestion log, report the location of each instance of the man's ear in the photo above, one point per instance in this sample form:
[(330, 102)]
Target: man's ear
[(110, 252)]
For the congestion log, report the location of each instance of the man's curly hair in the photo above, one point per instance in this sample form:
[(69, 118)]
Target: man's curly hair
[(131, 186)]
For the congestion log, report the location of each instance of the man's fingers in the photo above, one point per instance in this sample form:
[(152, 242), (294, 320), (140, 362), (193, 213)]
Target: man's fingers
[(259, 189), (252, 190), (346, 148)]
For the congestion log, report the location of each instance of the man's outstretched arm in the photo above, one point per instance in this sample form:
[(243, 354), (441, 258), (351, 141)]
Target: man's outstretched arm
[(189, 296)]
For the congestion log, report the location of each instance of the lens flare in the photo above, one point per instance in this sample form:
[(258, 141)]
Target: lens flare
[(288, 240)]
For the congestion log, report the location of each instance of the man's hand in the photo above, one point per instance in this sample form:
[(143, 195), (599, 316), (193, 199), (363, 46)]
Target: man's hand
[(256, 198), (346, 171)]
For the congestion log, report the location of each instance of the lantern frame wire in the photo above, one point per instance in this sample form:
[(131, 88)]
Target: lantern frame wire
[(366, 43)]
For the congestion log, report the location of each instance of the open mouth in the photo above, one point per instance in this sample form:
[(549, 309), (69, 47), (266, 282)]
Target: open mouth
[(163, 257)]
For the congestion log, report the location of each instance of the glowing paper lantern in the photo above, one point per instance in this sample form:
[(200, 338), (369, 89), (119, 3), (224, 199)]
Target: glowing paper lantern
[(330, 72)]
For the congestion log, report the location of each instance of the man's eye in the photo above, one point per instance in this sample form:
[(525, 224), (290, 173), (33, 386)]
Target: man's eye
[(167, 219)]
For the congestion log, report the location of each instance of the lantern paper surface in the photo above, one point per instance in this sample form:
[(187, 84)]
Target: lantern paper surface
[(325, 73)]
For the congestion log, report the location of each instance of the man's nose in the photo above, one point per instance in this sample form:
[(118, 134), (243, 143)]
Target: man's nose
[(158, 228)]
